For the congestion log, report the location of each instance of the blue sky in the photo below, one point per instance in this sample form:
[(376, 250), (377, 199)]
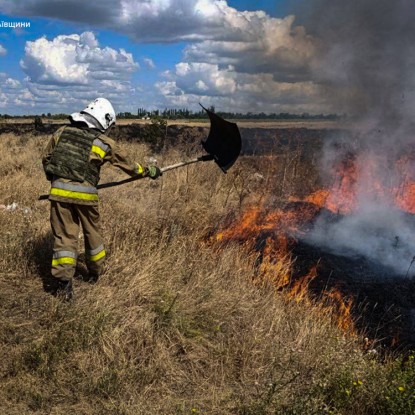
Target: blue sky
[(237, 55)]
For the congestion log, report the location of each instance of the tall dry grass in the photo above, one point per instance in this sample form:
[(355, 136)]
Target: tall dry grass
[(175, 325)]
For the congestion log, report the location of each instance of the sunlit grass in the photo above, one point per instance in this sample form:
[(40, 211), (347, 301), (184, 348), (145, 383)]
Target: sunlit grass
[(176, 325)]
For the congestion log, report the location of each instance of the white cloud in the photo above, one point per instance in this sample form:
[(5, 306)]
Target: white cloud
[(65, 73), (194, 83), (167, 20), (170, 20), (168, 89), (3, 50), (74, 59), (12, 94), (200, 85), (149, 63), (116, 85), (191, 77), (265, 45), (12, 83), (149, 20), (245, 59), (3, 100), (54, 61)]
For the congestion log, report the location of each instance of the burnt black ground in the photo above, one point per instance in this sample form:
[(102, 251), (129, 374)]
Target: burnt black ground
[(382, 300)]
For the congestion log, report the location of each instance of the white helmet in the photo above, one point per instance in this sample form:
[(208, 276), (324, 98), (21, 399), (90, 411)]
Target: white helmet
[(101, 110)]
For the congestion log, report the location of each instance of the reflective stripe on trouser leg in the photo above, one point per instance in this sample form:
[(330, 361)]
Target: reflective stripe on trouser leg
[(95, 259), (94, 245), (63, 258), (94, 255), (63, 264), (64, 222)]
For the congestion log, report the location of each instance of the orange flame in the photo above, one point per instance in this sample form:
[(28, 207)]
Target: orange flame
[(299, 291), (254, 221), (405, 193), (278, 230), (342, 310), (342, 197), (276, 263), (272, 233), (405, 199)]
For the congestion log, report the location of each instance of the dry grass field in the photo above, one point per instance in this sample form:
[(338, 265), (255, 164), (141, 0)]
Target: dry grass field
[(176, 325)]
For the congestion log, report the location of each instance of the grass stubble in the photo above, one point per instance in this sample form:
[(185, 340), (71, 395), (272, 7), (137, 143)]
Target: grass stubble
[(175, 325)]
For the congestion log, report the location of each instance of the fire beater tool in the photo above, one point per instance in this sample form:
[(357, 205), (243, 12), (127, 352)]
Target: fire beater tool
[(223, 145)]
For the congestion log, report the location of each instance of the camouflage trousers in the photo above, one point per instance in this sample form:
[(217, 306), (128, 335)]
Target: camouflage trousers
[(65, 220)]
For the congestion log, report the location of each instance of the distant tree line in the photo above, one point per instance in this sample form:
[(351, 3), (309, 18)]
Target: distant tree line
[(48, 115), (184, 113)]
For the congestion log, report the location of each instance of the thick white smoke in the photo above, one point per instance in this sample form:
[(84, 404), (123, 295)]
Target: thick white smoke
[(381, 233), (366, 67)]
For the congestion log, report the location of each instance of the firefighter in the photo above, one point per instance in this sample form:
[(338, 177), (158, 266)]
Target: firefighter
[(72, 162)]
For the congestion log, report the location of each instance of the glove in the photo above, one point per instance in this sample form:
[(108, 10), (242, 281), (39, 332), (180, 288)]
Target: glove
[(153, 172)]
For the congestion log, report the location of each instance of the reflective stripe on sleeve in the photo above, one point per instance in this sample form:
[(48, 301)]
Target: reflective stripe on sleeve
[(99, 148), (96, 254), (74, 191)]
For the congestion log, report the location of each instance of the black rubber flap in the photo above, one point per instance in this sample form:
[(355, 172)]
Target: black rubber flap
[(224, 141)]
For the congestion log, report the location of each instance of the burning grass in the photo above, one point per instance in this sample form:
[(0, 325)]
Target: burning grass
[(273, 235), (177, 324)]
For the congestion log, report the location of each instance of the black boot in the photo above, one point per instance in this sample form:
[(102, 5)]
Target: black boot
[(93, 278), (65, 290)]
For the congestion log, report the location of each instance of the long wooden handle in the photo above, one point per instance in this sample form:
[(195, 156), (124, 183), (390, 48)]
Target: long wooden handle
[(181, 164), (134, 178), (163, 169)]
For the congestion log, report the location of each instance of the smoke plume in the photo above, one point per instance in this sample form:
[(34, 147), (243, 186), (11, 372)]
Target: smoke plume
[(366, 68), (367, 56)]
